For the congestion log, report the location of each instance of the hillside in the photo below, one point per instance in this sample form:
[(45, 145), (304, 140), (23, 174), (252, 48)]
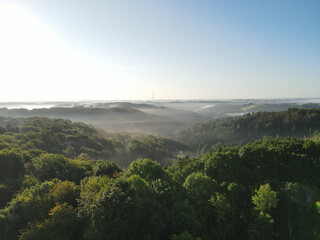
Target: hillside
[(250, 127), (111, 119), (74, 139), (159, 118)]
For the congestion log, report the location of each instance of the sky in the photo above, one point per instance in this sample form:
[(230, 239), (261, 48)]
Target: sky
[(177, 49)]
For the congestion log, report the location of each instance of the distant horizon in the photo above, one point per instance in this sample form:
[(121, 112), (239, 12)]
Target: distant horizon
[(160, 100)]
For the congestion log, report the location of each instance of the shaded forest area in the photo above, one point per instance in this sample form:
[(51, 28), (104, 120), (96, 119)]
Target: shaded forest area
[(252, 126)]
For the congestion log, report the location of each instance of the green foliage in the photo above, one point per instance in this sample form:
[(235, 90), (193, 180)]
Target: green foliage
[(147, 169), (61, 224), (40, 135), (250, 127), (29, 181), (265, 199), (106, 168), (155, 148), (124, 204), (65, 192), (130, 203), (298, 217), (11, 164), (184, 166), (221, 209), (91, 190), (33, 204), (183, 236), (52, 186), (140, 185), (221, 206), (62, 137), (50, 166), (200, 188), (262, 227), (199, 185), (12, 171)]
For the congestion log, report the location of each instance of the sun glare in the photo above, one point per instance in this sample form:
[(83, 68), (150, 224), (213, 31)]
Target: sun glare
[(38, 64)]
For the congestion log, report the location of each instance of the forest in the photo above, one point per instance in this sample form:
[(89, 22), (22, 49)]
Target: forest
[(249, 127), (159, 120), (254, 176)]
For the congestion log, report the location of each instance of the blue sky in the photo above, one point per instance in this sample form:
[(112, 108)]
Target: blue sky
[(179, 49)]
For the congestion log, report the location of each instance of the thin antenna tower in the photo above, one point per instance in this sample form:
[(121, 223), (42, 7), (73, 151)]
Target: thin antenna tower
[(153, 96)]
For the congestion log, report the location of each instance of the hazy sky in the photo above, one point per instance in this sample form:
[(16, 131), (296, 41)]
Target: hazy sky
[(178, 49)]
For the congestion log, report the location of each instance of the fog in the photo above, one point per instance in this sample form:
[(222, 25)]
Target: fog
[(149, 117)]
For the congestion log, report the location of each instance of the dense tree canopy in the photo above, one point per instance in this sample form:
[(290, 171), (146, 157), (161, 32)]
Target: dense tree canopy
[(53, 187), (250, 127), (257, 191)]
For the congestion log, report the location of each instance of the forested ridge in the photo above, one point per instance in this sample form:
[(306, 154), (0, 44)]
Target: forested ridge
[(113, 118), (73, 139), (66, 180), (249, 127)]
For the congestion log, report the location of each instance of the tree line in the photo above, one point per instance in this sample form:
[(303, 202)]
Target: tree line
[(202, 137)]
